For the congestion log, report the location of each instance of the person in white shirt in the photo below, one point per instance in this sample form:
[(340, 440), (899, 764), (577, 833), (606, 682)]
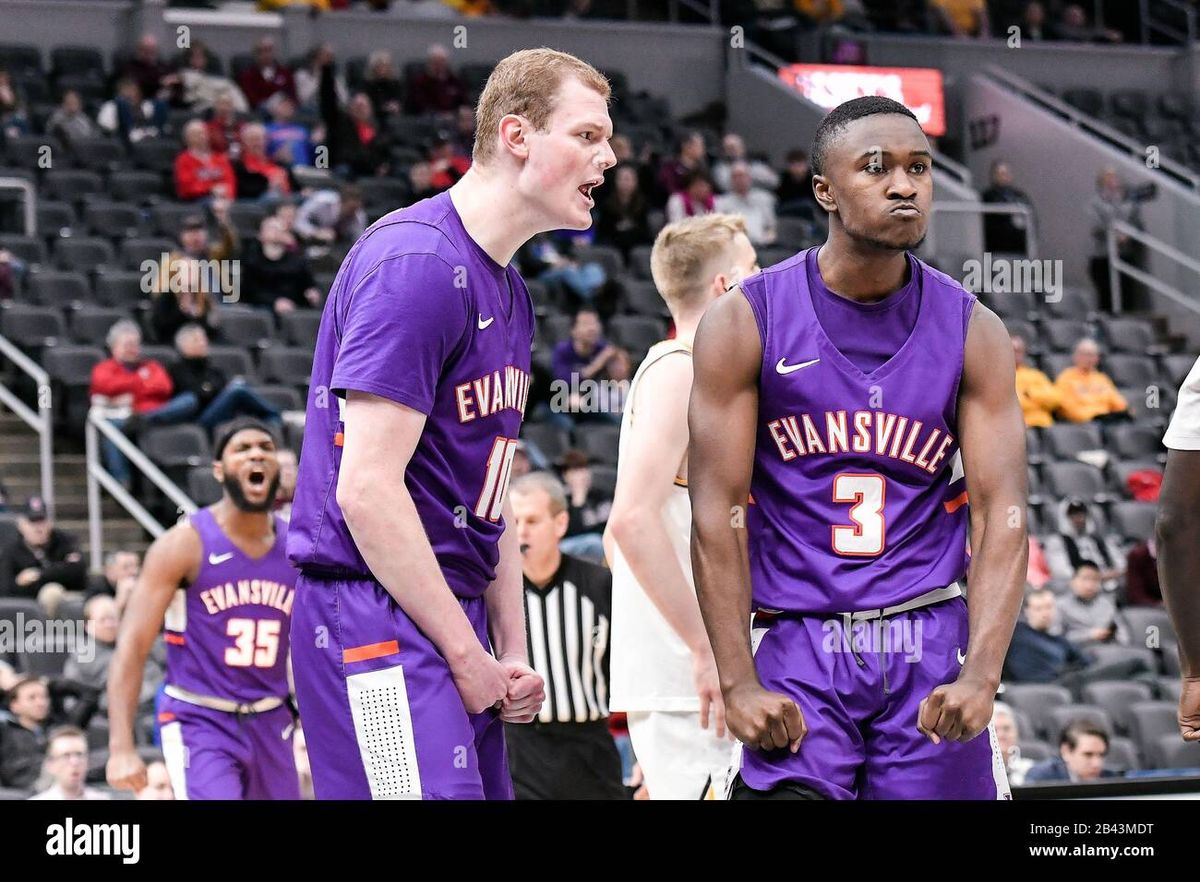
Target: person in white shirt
[(67, 762), (755, 205), (332, 215), (733, 151), (663, 675)]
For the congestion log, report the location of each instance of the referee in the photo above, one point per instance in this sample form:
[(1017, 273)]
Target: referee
[(567, 751)]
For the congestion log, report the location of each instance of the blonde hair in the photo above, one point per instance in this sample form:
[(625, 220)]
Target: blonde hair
[(525, 83), (682, 260)]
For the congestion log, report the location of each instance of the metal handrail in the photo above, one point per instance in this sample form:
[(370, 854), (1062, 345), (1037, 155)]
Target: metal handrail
[(1166, 165), (30, 201), (99, 477), (1117, 266), (1149, 25), (987, 208), (41, 422)]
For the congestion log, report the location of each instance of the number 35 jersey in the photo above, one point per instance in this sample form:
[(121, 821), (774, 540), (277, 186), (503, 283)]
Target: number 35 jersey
[(857, 497), (420, 314), (227, 632)]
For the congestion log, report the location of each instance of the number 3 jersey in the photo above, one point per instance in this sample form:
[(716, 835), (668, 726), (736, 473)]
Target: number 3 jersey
[(857, 497), (227, 632), (421, 315)]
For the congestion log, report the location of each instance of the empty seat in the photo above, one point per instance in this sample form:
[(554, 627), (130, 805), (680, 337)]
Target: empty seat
[(599, 442), (1013, 304), (169, 216), (608, 257), (72, 365), (59, 289), (287, 364), (386, 193), (131, 185), (282, 397), (32, 151), (1146, 622), (1132, 335), (202, 487), (78, 60), (642, 298), (121, 288), (72, 185), (549, 439), (1058, 718), (635, 332), (1169, 689), (1172, 752), (1068, 440), (21, 59), (55, 218), (98, 153), (1116, 698), (1148, 404), (162, 353), (639, 262), (1075, 303), (1073, 479), (300, 327), (1135, 441), (111, 219), (1061, 334), (1037, 700), (1025, 329), (1122, 755), (176, 446), (1133, 520), (554, 328), (233, 361), (84, 254), (1177, 367), (1055, 363), (28, 248), (91, 324), (1150, 721), (1036, 750), (32, 327), (248, 327), (246, 217), (1131, 370), (154, 154), (138, 249)]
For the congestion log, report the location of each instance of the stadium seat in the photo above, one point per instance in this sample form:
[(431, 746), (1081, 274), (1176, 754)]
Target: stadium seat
[(28, 248), (599, 442), (1116, 698), (1172, 752), (1112, 653), (1122, 755), (134, 186), (1177, 367), (608, 257), (22, 59), (1054, 363), (84, 254), (77, 60), (90, 324), (1065, 479), (1036, 750), (168, 218), (300, 327), (202, 487), (154, 154), (1075, 304), (1058, 718), (1150, 721), (137, 249), (1133, 520), (636, 333), (1123, 470), (121, 288), (100, 154), (29, 151), (639, 262), (1169, 689), (1036, 700), (245, 216), (55, 218), (59, 289), (111, 220), (247, 327), (15, 609), (32, 327), (1067, 440), (389, 193), (1132, 335), (642, 298), (1135, 441), (291, 365), (1061, 334), (1146, 622), (72, 365), (72, 185), (1131, 370), (283, 397), (176, 446), (549, 439), (233, 361)]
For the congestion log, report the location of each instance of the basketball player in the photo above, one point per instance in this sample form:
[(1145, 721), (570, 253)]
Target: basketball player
[(663, 673), (1178, 531), (840, 390), (410, 580), (226, 590)]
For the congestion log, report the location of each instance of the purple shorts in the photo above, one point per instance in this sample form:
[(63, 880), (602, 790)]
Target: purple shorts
[(859, 690), (212, 754), (382, 717)]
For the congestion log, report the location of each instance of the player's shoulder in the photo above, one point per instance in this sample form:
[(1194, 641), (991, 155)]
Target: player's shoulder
[(414, 235), (181, 543)]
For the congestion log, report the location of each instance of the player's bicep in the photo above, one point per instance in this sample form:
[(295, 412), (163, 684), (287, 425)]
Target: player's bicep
[(991, 428), (379, 437), (401, 324)]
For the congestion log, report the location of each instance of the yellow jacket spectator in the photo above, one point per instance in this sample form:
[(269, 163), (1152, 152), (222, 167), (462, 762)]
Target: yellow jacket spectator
[(820, 10), (1086, 392), (1038, 395)]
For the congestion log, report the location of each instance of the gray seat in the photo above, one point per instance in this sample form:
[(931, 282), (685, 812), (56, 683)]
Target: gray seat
[(642, 298), (121, 288), (1169, 689), (1037, 750), (286, 364), (1058, 718), (83, 253), (111, 219), (132, 185), (1068, 440), (137, 249), (1131, 335), (1172, 752), (1131, 370), (1146, 622), (1135, 441), (247, 327), (635, 332), (1134, 520), (59, 289), (1037, 700), (1116, 698), (176, 446), (233, 361), (72, 185), (202, 487), (1151, 721), (90, 324), (282, 397), (599, 442), (32, 327), (550, 439), (1122, 755), (1062, 334), (1073, 479), (300, 327)]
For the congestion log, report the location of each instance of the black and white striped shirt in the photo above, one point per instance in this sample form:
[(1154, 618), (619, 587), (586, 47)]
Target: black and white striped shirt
[(566, 624)]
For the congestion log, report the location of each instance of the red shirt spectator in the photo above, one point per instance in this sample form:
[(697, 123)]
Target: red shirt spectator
[(198, 170), (256, 173), (436, 89), (225, 126), (126, 373), (266, 76), (1141, 575)]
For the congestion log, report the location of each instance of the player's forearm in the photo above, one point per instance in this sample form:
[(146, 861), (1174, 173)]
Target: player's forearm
[(998, 567), (505, 599), (643, 540), (722, 573), (124, 689), (1178, 532), (387, 530)]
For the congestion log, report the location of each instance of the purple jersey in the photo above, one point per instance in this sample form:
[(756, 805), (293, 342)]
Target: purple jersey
[(421, 315), (857, 493), (227, 632)]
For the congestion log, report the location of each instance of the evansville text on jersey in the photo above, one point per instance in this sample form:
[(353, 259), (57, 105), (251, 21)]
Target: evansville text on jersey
[(492, 393), (248, 591), (867, 431)]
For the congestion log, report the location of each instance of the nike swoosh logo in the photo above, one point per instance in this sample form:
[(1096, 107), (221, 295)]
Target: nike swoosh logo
[(483, 325), (214, 559), (782, 368), (962, 659)]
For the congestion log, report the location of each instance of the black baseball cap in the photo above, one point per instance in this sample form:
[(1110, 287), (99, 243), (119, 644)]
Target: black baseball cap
[(35, 509)]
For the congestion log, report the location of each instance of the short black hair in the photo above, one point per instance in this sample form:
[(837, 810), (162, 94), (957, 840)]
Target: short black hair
[(226, 431), (1087, 565), (1076, 729), (846, 113)]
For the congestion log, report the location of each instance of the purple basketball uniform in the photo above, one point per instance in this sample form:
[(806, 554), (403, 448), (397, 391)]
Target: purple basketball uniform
[(858, 504), (421, 315), (227, 639)]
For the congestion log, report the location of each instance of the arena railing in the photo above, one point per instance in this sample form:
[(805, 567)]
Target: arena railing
[(980, 209), (1152, 22), (1175, 170), (41, 420), (98, 477), (29, 212), (1117, 266)]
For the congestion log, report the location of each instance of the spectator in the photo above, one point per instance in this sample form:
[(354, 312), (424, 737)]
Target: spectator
[(1082, 750), (420, 180), (288, 142), (1004, 232), (1113, 202), (445, 166), (267, 76), (961, 18), (1081, 541), (1008, 738), (551, 263), (619, 374), (384, 88), (1141, 575), (257, 176), (41, 561), (357, 143), (67, 763), (1039, 397), (137, 391), (795, 193), (329, 216), (464, 131), (147, 68), (202, 390), (286, 212), (1074, 27), (102, 621), (676, 172), (274, 277), (118, 577), (1033, 22), (1037, 571), (225, 125), (694, 199), (22, 733), (12, 270), (1086, 392), (201, 89), (199, 172), (581, 357), (623, 220), (436, 89), (733, 151), (587, 508), (1087, 616), (70, 121), (755, 205), (308, 79), (190, 298), (195, 242), (131, 116), (158, 782), (14, 121)]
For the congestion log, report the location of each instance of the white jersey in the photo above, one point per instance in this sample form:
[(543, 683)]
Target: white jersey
[(1184, 431), (651, 666)]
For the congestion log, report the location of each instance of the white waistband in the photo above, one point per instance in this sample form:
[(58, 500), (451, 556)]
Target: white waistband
[(223, 704), (937, 595)]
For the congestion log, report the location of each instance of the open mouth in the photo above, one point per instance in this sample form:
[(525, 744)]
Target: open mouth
[(256, 478), (585, 190)]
